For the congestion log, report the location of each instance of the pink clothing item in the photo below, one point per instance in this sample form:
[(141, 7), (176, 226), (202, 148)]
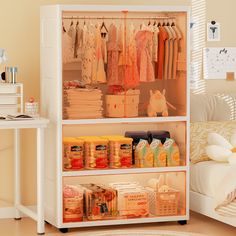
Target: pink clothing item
[(162, 37), (128, 70), (144, 59), (112, 57)]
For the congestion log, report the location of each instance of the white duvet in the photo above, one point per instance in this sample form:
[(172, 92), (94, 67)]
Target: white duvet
[(214, 179)]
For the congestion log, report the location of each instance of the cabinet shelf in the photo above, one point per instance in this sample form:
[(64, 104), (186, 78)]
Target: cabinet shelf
[(125, 120), (150, 219), (123, 171)]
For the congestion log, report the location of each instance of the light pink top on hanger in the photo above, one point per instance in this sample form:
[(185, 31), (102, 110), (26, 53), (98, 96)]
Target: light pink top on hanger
[(144, 59)]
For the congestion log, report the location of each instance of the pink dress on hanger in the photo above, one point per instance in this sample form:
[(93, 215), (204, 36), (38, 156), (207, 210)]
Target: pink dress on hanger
[(128, 70), (144, 59), (112, 57)]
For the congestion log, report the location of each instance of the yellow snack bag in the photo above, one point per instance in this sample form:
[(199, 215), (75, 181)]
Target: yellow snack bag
[(159, 153), (143, 154), (172, 150)]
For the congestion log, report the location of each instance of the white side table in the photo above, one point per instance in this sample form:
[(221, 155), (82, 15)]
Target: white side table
[(40, 124)]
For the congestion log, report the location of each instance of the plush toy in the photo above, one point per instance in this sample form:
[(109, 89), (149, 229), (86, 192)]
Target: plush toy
[(221, 150), (158, 104)]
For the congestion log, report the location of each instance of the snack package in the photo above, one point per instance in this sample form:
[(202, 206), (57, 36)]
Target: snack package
[(101, 202), (73, 203), (143, 154), (172, 150), (73, 153), (136, 136), (159, 153), (132, 199)]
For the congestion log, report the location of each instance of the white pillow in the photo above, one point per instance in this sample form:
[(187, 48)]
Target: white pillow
[(216, 139), (218, 153), (233, 139)]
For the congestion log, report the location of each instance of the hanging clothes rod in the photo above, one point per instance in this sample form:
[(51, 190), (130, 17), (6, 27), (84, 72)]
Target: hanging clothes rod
[(116, 18)]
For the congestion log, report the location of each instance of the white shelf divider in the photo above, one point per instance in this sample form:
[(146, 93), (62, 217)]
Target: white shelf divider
[(125, 120), (123, 171)]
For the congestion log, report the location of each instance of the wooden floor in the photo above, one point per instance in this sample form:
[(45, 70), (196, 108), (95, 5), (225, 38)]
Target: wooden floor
[(197, 224)]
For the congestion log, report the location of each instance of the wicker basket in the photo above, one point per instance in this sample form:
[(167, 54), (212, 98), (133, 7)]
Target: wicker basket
[(163, 203)]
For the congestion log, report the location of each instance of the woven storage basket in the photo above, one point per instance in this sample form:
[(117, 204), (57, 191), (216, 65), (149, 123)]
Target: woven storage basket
[(163, 203)]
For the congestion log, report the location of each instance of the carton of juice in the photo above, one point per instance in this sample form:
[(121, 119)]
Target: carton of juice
[(172, 150), (159, 153), (143, 154)]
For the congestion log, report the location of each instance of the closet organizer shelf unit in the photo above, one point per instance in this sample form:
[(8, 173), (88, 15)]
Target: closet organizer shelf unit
[(54, 75)]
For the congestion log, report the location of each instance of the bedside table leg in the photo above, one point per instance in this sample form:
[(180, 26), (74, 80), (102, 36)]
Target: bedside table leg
[(40, 181), (17, 194)]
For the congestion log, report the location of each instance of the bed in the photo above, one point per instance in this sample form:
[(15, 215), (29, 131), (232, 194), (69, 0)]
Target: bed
[(212, 184)]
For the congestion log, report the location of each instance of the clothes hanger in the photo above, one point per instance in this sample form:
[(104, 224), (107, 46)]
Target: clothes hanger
[(63, 27), (173, 23), (103, 26)]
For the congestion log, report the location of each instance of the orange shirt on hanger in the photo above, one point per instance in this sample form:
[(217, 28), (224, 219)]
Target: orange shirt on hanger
[(162, 37)]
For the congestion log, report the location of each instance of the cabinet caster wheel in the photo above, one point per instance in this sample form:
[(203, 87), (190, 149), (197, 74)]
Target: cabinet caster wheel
[(40, 233), (17, 218), (182, 222), (63, 230)]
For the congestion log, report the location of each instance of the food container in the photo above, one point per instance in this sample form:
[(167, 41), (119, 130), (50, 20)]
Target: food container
[(172, 151), (133, 202), (73, 150), (101, 202), (120, 152), (73, 203), (143, 155), (136, 136), (96, 152), (159, 153)]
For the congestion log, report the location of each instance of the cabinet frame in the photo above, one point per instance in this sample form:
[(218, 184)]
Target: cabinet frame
[(51, 107)]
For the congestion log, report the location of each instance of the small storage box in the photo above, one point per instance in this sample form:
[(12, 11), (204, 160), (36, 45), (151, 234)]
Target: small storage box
[(163, 203), (8, 99), (125, 105)]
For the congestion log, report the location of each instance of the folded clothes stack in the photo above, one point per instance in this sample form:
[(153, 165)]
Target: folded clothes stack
[(80, 103)]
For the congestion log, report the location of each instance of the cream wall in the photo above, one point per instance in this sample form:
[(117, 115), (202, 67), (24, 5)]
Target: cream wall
[(19, 24)]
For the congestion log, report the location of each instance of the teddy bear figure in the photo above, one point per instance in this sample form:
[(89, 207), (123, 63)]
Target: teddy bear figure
[(157, 104)]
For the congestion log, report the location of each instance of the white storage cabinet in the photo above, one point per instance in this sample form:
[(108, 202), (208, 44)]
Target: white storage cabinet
[(52, 75)]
